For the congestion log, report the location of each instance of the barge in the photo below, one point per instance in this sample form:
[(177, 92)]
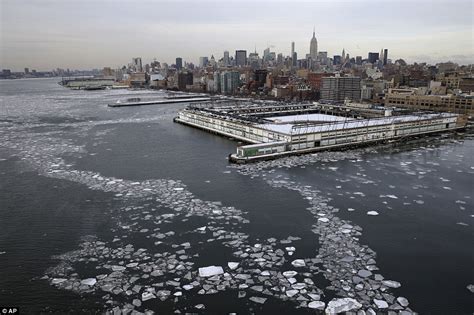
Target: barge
[(309, 131)]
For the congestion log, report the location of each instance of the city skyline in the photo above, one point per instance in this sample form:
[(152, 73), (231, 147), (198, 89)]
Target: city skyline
[(85, 34)]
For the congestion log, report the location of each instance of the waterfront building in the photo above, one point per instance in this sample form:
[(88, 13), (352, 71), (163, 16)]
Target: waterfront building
[(303, 128), (240, 58), (185, 78), (460, 104), (340, 88)]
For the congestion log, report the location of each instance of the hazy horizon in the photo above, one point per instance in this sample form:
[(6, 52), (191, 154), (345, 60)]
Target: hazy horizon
[(87, 34)]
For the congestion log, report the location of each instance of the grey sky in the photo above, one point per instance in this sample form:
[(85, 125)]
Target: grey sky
[(80, 34)]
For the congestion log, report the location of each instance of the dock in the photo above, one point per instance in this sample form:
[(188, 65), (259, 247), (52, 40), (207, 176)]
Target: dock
[(162, 101)]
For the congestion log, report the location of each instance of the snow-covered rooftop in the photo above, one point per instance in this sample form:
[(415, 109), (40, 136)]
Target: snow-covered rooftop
[(348, 124), (307, 117)]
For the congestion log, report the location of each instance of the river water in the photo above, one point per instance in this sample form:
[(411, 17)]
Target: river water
[(128, 202)]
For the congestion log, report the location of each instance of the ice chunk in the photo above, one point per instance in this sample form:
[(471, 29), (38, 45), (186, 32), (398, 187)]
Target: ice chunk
[(147, 296), (364, 273), (210, 271), (298, 263), (89, 281), (318, 305), (233, 265), (291, 293), (118, 268), (380, 303), (57, 280), (337, 306), (402, 301), (290, 273), (372, 213), (259, 300), (391, 284)]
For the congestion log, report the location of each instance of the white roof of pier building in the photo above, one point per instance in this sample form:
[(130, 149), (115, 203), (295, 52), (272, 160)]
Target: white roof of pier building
[(345, 123)]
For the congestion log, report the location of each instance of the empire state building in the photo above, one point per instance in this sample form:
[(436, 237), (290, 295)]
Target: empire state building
[(313, 47)]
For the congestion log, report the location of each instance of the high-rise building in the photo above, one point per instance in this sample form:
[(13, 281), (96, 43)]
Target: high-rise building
[(359, 60), (294, 59), (340, 88), (184, 78), (313, 47), (240, 58), (373, 57), (27, 70), (230, 81), (203, 62), (226, 58), (385, 56), (261, 77), (217, 82), (292, 49), (179, 63), (137, 64), (337, 60)]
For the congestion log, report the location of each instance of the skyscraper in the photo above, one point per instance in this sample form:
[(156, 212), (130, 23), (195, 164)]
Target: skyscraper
[(373, 57), (293, 54), (313, 47), (179, 63), (226, 58), (240, 58), (203, 61), (137, 64), (385, 56)]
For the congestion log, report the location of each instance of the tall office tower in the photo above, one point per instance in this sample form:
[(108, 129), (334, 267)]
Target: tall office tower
[(313, 47), (203, 62), (240, 58), (381, 55), (373, 57), (343, 55), (137, 64), (385, 56), (359, 60), (294, 59), (179, 63), (340, 88), (217, 82), (292, 49), (226, 58), (230, 81)]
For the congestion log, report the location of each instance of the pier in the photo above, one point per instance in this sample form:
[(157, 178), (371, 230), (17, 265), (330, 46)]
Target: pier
[(304, 129), (162, 101)]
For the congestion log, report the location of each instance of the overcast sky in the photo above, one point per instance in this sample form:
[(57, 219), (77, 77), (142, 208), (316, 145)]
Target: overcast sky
[(84, 34)]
